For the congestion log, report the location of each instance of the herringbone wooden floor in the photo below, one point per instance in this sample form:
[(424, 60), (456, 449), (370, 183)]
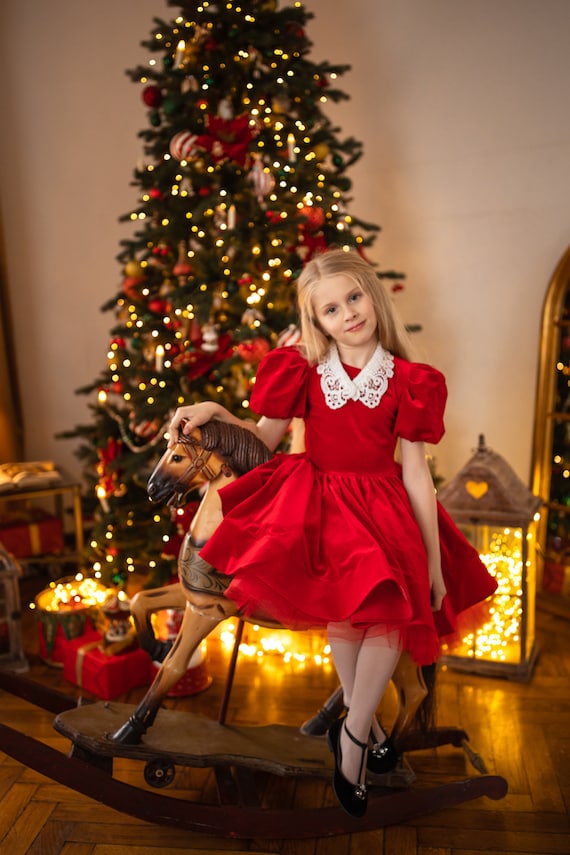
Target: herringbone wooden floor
[(520, 730)]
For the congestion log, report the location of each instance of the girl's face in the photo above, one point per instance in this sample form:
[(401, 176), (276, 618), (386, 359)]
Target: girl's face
[(346, 313)]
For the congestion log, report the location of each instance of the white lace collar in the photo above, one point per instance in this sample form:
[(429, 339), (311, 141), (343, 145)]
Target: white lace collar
[(368, 386)]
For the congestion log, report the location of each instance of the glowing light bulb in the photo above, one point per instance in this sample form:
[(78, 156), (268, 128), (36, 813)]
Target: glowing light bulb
[(158, 358), (179, 55)]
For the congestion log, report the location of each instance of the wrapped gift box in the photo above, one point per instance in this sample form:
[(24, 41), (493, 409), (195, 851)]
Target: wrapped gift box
[(33, 532), (67, 609), (56, 630), (87, 665)]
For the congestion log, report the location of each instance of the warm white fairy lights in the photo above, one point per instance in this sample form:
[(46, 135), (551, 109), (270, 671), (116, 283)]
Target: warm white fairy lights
[(72, 593), (271, 647), (499, 638)]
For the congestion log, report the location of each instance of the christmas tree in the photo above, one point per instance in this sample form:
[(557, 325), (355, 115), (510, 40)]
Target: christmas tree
[(242, 179)]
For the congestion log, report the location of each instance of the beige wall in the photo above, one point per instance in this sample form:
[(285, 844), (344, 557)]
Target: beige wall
[(462, 106)]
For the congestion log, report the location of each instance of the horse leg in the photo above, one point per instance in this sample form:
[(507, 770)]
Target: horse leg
[(411, 688), (195, 627), (410, 685), (328, 713), (143, 605)]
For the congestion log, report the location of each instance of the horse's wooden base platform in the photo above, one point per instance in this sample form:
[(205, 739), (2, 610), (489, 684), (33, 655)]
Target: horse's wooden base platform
[(187, 739), (237, 755)]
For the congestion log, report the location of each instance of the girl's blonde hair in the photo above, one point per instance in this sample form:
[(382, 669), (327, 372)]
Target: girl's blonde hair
[(335, 262)]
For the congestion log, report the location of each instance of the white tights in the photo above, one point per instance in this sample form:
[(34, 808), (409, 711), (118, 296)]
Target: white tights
[(365, 661)]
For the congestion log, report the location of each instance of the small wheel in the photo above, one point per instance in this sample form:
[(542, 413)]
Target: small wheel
[(159, 773)]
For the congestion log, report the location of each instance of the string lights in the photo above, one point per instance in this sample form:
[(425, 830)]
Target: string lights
[(271, 647)]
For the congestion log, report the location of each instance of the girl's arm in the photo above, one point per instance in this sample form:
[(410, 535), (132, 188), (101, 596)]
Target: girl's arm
[(270, 431), (420, 489)]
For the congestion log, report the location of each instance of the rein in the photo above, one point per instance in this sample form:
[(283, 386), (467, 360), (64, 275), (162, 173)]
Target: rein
[(199, 462)]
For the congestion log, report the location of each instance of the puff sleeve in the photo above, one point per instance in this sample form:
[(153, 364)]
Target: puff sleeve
[(280, 390), (422, 405)]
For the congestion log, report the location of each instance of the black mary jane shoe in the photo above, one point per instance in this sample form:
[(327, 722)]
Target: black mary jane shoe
[(353, 798), (382, 758)]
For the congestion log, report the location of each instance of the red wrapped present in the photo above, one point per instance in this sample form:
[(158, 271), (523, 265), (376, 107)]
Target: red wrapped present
[(33, 532), (88, 666), (196, 679), (56, 630), (66, 610)]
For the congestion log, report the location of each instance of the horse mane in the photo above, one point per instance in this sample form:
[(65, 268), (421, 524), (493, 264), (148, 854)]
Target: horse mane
[(239, 447)]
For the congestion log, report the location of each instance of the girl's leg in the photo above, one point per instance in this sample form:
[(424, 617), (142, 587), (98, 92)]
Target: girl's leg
[(374, 669), (365, 669), (345, 643)]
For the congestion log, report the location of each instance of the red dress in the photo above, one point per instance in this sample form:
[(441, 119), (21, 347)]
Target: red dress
[(329, 535)]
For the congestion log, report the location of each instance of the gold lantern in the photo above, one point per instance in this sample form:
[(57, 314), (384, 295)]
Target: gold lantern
[(498, 514)]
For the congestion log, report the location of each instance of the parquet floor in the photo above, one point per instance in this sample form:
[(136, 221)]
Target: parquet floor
[(520, 730)]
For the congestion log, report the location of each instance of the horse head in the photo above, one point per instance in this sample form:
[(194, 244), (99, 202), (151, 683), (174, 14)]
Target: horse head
[(211, 450)]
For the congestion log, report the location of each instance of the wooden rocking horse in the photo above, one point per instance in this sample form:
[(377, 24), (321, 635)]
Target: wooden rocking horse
[(215, 454)]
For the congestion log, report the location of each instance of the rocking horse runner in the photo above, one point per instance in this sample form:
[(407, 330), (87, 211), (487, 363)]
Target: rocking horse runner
[(341, 536)]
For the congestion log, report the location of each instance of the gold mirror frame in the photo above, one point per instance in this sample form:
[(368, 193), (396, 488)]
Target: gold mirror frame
[(11, 424), (549, 355)]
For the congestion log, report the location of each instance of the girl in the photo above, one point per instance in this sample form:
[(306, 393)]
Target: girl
[(341, 535)]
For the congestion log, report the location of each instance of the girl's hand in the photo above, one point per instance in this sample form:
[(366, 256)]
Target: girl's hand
[(187, 418), (438, 589)]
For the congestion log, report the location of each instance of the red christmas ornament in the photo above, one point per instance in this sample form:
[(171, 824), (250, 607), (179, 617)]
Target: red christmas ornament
[(182, 268), (254, 350), (155, 193), (161, 251), (313, 218), (131, 286), (295, 30), (152, 96), (159, 307), (273, 216)]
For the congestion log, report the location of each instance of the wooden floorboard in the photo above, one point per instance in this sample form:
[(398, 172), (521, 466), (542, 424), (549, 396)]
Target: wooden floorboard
[(520, 731)]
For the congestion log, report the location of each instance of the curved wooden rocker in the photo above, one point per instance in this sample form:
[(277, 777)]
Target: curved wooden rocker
[(215, 454), (238, 813)]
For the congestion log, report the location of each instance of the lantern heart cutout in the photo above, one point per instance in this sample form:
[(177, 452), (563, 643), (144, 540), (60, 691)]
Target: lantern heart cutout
[(476, 488)]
